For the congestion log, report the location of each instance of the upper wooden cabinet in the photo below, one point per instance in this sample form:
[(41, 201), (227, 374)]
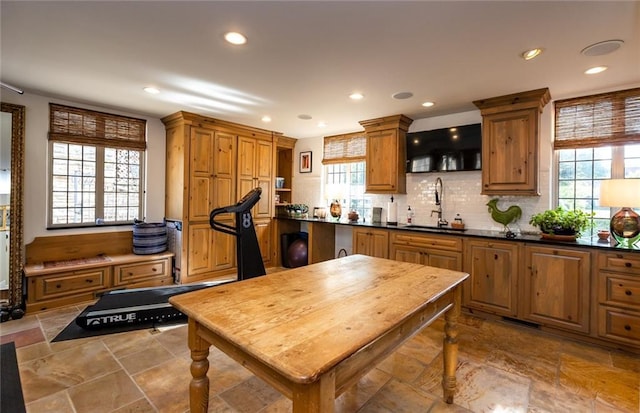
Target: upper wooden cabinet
[(386, 154), (510, 128)]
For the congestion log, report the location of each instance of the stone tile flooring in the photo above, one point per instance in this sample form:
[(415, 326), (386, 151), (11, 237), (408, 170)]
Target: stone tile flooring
[(502, 368)]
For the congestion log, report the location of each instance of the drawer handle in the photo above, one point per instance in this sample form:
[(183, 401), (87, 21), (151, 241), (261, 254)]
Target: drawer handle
[(628, 292), (627, 327), (58, 286), (627, 264), (88, 280), (154, 269)]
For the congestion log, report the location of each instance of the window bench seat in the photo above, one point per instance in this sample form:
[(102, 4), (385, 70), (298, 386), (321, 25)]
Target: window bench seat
[(69, 269)]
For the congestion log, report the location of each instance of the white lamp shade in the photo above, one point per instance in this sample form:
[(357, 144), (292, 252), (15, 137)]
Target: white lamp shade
[(620, 193)]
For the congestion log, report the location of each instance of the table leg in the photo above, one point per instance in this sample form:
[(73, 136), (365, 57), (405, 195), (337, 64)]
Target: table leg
[(199, 386), (450, 347), (318, 397)]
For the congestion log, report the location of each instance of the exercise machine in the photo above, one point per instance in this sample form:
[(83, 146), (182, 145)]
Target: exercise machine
[(248, 256), (151, 305)]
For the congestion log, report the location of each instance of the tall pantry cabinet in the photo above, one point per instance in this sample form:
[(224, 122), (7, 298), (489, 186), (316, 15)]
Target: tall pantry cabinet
[(210, 164)]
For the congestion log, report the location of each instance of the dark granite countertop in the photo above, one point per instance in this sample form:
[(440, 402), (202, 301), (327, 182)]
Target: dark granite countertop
[(475, 233)]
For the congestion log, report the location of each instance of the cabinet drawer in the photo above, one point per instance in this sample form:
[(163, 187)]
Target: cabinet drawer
[(619, 325), (133, 273), (619, 262), (64, 284), (427, 241), (616, 289)]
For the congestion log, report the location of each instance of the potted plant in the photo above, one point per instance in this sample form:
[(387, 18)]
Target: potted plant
[(562, 222)]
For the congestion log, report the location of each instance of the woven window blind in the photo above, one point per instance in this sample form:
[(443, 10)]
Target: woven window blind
[(598, 120), (75, 125), (350, 147)]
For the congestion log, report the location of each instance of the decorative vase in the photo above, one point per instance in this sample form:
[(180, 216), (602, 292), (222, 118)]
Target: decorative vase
[(335, 209)]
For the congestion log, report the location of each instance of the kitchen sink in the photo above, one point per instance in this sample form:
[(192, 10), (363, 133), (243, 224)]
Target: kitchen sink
[(434, 228)]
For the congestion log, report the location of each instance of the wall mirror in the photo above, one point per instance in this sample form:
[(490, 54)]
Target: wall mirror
[(11, 193)]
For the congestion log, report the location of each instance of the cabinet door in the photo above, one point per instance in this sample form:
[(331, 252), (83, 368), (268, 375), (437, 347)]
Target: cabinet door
[(509, 153), (263, 233), (209, 250), (201, 176), (493, 276), (443, 259), (383, 162), (557, 287), (255, 168), (224, 167), (406, 254), (264, 176), (371, 242)]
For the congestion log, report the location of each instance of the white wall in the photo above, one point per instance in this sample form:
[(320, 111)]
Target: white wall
[(35, 161)]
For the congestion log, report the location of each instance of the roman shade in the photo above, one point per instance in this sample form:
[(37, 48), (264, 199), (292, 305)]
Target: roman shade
[(75, 125), (345, 148), (598, 120)]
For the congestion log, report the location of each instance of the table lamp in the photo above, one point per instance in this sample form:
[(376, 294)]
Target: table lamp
[(625, 194)]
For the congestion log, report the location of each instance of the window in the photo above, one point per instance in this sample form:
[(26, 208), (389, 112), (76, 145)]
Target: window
[(597, 137), (346, 183), (96, 168), (344, 166)]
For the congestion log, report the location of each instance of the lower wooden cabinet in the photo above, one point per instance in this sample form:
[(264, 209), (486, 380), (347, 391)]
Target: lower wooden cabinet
[(434, 250), (493, 268), (263, 232), (557, 287), (618, 286), (372, 242)]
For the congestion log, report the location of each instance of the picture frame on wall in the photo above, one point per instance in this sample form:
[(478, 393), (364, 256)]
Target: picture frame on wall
[(305, 162)]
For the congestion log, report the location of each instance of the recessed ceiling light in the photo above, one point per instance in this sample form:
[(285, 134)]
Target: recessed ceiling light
[(305, 117), (266, 118), (602, 48), (595, 70), (322, 124), (531, 53), (152, 90), (235, 38), (402, 95), (428, 104), (356, 96)]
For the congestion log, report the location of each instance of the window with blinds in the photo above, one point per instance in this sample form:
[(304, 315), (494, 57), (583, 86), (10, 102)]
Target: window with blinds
[(344, 148), (598, 120), (96, 170), (596, 137)]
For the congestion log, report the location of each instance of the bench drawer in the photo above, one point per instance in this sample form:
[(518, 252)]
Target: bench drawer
[(619, 325), (69, 283), (144, 271)]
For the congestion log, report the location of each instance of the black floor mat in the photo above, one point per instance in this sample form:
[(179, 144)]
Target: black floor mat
[(11, 398), (74, 331)]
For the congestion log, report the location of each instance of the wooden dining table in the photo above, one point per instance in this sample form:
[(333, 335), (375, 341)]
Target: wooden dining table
[(313, 331)]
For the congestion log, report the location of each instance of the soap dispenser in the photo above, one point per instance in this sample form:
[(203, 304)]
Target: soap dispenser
[(409, 215)]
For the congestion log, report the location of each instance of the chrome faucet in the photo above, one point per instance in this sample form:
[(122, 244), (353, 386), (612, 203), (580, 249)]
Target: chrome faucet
[(439, 196)]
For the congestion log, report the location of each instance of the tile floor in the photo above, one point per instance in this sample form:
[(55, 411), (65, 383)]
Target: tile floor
[(502, 368)]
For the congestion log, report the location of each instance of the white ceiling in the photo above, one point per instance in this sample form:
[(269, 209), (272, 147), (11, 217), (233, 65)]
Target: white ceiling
[(306, 57)]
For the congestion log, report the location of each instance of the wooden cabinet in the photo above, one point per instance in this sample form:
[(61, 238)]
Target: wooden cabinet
[(386, 154), (211, 164), (255, 169), (372, 242), (440, 251), (493, 268), (618, 286), (510, 128), (140, 272), (557, 287)]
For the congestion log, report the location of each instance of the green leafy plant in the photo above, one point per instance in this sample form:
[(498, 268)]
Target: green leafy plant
[(561, 221)]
